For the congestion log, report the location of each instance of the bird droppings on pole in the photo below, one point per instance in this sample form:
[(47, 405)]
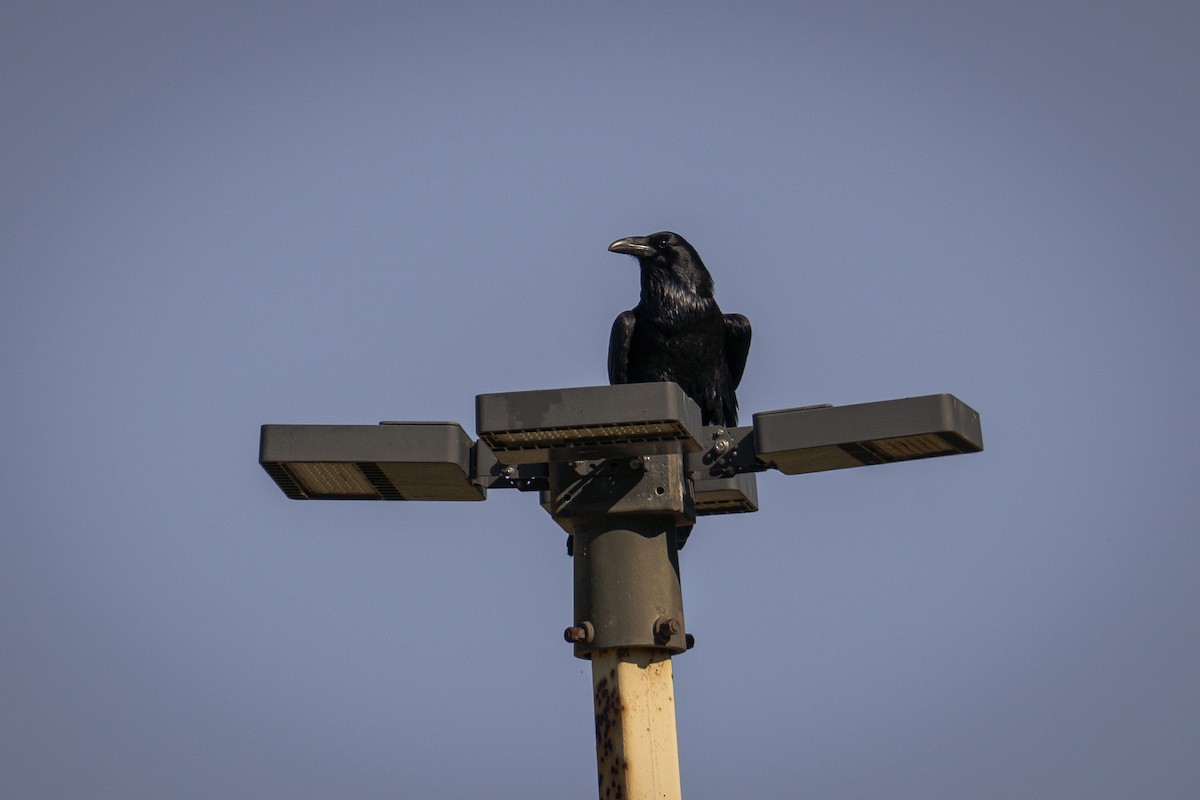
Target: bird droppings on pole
[(637, 751), (625, 470)]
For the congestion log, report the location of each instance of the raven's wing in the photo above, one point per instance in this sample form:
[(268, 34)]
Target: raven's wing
[(618, 347), (737, 345)]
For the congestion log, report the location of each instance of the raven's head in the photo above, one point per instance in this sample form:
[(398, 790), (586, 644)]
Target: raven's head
[(668, 263)]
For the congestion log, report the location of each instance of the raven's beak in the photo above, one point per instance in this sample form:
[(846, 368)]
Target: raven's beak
[(634, 246)]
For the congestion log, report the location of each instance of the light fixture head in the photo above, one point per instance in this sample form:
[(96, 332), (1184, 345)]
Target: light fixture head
[(817, 438), (735, 494), (389, 461), (590, 422)]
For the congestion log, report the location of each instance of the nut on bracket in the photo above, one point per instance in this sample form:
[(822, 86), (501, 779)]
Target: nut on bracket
[(579, 634)]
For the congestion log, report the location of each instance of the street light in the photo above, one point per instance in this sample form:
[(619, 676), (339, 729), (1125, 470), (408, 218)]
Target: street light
[(632, 419), (389, 461), (621, 469), (817, 438)]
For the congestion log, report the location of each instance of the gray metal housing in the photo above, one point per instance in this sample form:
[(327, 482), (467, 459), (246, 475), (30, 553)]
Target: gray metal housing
[(816, 438), (390, 461), (589, 422)]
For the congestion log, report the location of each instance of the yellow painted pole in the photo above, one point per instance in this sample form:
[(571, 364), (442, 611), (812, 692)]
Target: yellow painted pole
[(637, 752)]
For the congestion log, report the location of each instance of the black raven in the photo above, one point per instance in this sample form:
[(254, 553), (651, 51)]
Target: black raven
[(677, 332)]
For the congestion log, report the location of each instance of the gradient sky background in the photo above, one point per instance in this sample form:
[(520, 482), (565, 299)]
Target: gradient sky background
[(216, 215)]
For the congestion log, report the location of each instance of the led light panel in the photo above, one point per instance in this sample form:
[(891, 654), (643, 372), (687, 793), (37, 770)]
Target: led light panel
[(390, 461), (818, 438), (323, 478), (733, 495), (588, 422)]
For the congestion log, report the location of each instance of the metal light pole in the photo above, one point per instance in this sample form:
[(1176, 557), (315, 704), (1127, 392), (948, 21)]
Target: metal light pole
[(621, 469), (622, 515)]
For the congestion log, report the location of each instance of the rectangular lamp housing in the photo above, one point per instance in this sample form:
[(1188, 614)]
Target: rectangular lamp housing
[(817, 438), (389, 461), (735, 494), (590, 422)]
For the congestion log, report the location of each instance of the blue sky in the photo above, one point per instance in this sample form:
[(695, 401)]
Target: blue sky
[(218, 215)]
